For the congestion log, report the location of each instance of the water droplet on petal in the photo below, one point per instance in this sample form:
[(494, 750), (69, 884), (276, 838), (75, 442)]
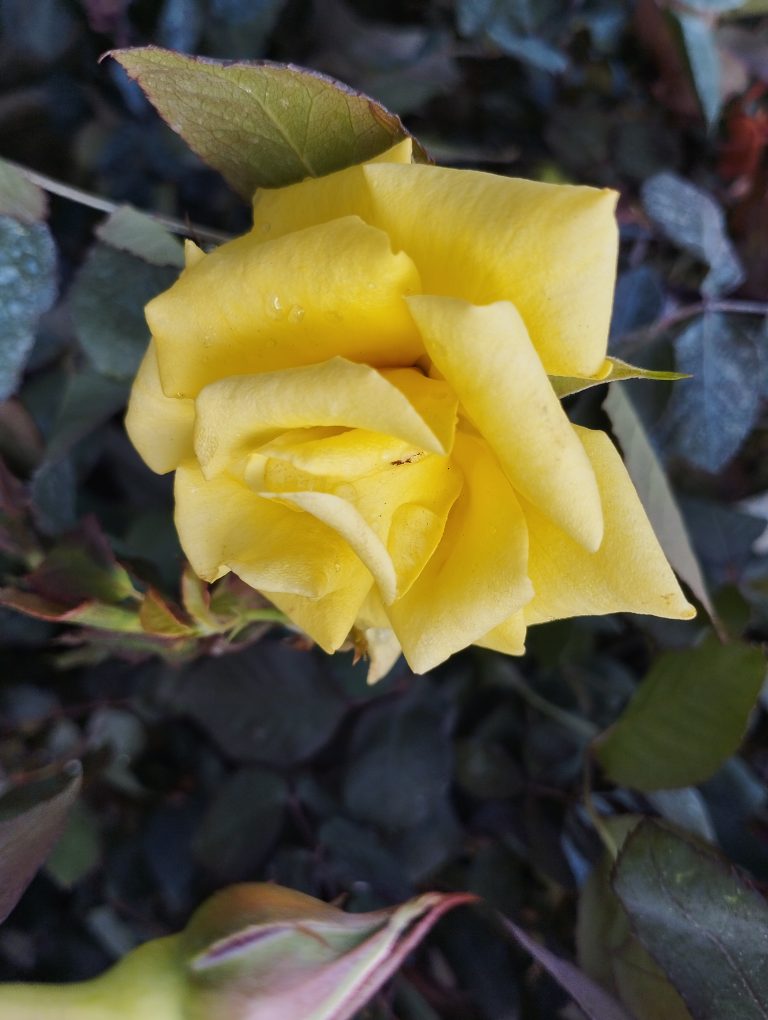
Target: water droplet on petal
[(275, 307), (296, 313)]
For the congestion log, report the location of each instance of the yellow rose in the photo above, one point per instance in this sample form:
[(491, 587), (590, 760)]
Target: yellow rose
[(355, 399)]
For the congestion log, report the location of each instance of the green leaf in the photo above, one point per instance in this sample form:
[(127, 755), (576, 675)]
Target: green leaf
[(27, 289), (355, 853), (404, 65), (656, 494), (262, 125), (42, 32), (270, 704), (162, 619), (704, 61), (487, 770), (686, 808), (141, 235), (19, 197), (472, 16), (608, 950), (82, 566), (32, 818), (108, 299), (237, 30), (724, 538), (89, 400), (242, 823), (689, 714), (713, 412), (703, 924), (79, 849), (53, 496), (518, 28), (638, 301), (528, 48), (392, 741), (620, 370), (694, 221), (87, 614)]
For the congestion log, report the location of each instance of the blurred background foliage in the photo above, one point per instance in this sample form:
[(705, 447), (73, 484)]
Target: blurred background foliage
[(607, 792)]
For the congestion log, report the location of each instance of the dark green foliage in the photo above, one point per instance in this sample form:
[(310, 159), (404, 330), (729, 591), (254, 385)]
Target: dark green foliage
[(216, 746), (704, 925), (689, 714), (27, 277)]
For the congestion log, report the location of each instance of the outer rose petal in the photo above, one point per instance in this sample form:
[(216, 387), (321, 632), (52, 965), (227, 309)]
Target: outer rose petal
[(223, 526), (476, 578), (253, 306), (383, 651), (508, 637), (327, 198), (193, 253), (328, 620), (159, 427), (401, 152), (487, 357), (549, 249), (238, 414), (628, 574)]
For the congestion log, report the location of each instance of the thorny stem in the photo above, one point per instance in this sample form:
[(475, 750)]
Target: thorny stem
[(106, 205)]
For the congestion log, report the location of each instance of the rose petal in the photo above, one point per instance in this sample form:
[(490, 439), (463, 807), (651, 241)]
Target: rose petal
[(193, 253), (549, 249), (487, 357), (476, 578), (349, 523), (392, 518), (382, 650), (408, 505), (320, 199), (223, 525), (327, 620), (329, 454), (401, 152), (238, 414), (628, 574), (253, 306), (159, 427), (508, 637), (437, 404)]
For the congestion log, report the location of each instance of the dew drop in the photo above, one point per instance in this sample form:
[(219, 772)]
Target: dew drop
[(296, 313), (275, 307)]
